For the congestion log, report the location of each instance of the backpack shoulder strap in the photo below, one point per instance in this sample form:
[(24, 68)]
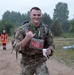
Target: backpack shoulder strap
[(25, 22)]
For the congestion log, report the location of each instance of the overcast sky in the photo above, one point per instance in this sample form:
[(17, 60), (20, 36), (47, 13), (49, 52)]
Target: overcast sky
[(23, 6)]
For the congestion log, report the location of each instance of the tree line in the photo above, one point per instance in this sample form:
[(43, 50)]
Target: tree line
[(58, 24)]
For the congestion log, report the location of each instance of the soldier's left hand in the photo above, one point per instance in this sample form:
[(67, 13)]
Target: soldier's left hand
[(48, 51)]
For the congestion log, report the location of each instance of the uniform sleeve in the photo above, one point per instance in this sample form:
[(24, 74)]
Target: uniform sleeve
[(49, 42), (18, 39)]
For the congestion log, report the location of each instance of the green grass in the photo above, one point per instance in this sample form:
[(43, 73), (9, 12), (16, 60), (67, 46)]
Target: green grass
[(64, 56), (68, 35)]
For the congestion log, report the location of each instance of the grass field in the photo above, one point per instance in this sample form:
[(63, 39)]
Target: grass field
[(64, 55)]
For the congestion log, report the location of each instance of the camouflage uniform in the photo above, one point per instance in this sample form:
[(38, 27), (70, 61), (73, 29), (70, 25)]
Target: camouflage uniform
[(32, 60)]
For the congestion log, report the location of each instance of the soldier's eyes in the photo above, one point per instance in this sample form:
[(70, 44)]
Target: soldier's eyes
[(36, 14)]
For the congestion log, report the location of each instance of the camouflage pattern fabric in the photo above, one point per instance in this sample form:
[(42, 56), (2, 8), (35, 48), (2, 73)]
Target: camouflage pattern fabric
[(32, 60), (31, 66), (20, 34)]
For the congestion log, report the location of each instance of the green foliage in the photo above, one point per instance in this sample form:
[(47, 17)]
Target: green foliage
[(4, 25), (46, 19), (67, 35), (56, 28), (61, 12), (27, 16), (66, 26), (6, 15), (72, 26), (15, 17)]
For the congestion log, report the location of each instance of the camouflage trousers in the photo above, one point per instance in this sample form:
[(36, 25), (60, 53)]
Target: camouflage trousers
[(31, 66)]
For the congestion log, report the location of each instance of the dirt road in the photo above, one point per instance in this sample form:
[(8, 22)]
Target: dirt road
[(9, 66)]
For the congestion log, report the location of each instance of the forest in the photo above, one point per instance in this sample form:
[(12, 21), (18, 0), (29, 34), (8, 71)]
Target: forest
[(60, 25)]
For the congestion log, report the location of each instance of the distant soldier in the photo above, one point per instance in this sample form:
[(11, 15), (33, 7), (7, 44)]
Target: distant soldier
[(4, 37), (30, 40)]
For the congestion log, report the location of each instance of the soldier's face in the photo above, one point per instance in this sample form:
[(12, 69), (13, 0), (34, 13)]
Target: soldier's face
[(35, 16)]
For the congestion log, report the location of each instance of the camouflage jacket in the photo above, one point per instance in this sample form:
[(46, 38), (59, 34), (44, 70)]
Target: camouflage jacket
[(45, 34)]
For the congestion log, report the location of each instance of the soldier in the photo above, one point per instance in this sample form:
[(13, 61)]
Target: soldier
[(31, 38)]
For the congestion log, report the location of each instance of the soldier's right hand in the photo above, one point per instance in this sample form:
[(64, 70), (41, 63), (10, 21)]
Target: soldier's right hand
[(29, 34)]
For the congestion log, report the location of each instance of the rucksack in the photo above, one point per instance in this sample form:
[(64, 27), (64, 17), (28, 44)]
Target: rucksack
[(14, 35)]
